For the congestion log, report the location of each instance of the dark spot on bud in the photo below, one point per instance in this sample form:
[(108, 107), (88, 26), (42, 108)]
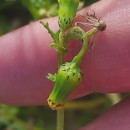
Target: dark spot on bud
[(68, 69), (68, 77), (78, 80), (58, 105), (82, 39), (53, 103), (73, 74), (81, 74)]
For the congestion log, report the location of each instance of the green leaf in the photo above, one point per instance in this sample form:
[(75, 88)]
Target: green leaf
[(52, 77)]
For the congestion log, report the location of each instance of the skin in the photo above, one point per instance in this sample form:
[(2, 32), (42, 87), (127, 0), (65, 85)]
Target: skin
[(115, 119), (26, 59)]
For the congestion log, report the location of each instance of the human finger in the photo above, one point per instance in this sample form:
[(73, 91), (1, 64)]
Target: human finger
[(116, 118), (26, 58)]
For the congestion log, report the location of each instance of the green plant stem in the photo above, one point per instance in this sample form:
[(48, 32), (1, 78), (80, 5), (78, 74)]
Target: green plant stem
[(60, 119), (60, 58), (60, 113), (85, 38)]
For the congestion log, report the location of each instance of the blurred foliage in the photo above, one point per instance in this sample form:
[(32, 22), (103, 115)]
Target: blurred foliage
[(41, 8), (14, 14)]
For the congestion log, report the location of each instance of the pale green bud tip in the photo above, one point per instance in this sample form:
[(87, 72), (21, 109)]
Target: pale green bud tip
[(67, 12), (67, 79)]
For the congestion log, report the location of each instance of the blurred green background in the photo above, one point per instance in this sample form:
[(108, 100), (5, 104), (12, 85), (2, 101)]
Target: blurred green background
[(17, 13)]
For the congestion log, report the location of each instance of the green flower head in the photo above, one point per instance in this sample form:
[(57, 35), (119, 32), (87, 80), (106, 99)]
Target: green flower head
[(67, 12), (67, 79)]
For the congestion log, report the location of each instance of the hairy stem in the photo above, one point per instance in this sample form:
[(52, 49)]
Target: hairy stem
[(60, 113), (60, 58)]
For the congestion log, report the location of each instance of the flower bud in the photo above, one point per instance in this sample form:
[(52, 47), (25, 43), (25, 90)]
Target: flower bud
[(67, 78), (67, 12)]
